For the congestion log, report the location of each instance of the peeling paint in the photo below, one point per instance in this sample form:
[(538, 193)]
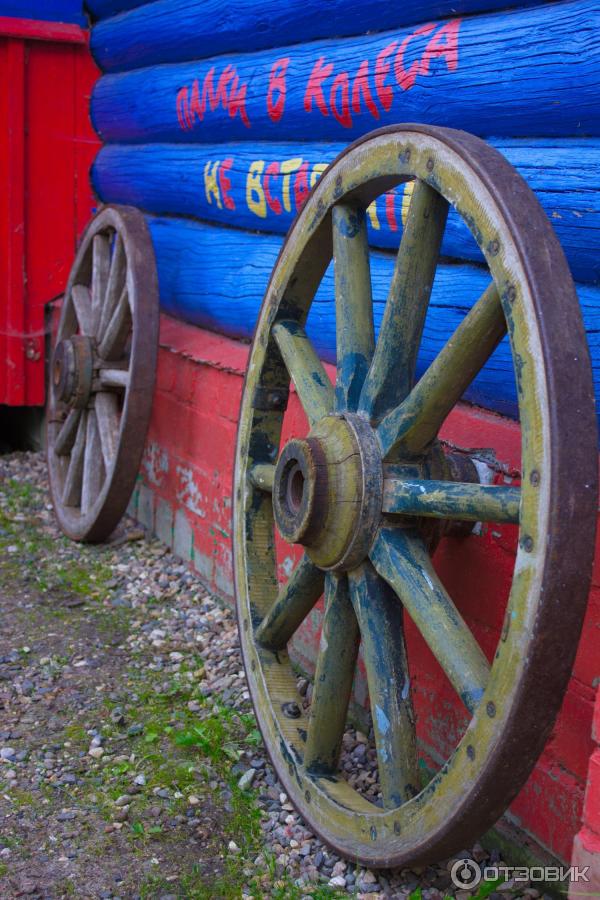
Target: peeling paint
[(286, 567), (418, 487), (188, 492), (155, 463), (383, 723), (406, 689), (427, 579), (485, 471)]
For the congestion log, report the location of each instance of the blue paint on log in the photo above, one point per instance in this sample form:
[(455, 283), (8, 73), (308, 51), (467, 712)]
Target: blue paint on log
[(529, 71), (101, 8), (216, 278), (177, 30), (243, 185), (53, 11)]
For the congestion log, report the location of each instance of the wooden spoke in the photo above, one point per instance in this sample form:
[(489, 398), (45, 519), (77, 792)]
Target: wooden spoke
[(114, 378), (333, 678), (451, 500), (262, 476), (412, 425), (74, 477), (392, 371), (295, 601), (107, 414), (305, 369), (68, 431), (82, 301), (92, 465), (355, 337), (379, 615), (112, 344), (402, 560), (100, 270), (116, 284)]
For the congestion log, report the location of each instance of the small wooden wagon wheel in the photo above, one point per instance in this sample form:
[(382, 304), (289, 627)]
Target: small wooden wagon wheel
[(102, 374), (357, 492)]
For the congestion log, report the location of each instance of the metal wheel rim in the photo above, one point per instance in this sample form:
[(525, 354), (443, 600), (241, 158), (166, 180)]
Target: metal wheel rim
[(557, 523), (139, 291)]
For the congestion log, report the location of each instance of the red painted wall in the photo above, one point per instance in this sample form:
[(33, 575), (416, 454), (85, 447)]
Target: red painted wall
[(586, 848), (46, 149), (184, 495)]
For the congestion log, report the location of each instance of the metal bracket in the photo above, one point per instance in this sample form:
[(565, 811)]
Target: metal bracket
[(270, 399)]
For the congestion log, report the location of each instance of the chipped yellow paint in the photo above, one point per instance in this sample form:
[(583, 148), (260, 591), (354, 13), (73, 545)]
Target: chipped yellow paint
[(406, 198)]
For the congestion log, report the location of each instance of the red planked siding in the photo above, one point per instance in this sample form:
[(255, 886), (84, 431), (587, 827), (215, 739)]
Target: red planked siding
[(46, 76)]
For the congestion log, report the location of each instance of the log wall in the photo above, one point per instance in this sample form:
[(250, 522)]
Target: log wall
[(262, 185), (177, 30), (216, 277), (532, 71), (205, 117)]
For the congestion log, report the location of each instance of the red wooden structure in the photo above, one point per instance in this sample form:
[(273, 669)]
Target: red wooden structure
[(46, 76)]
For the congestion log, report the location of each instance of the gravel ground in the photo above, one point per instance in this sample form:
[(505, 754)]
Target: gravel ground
[(130, 763)]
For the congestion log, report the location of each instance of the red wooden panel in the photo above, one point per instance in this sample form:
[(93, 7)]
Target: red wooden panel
[(12, 220), (4, 233), (34, 29), (50, 201), (44, 161), (591, 816)]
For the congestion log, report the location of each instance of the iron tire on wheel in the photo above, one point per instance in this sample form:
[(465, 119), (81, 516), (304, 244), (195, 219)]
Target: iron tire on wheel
[(102, 374), (357, 491)]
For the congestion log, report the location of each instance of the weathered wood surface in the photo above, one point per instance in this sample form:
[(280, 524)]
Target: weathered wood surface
[(261, 186), (533, 71), (216, 277), (177, 30), (55, 11)]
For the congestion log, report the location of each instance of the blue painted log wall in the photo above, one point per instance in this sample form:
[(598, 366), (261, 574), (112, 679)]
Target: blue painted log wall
[(176, 30), (227, 112), (45, 10), (533, 71), (216, 278), (261, 186)]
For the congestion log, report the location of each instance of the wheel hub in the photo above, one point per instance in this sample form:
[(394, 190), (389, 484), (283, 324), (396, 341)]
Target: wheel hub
[(72, 368), (327, 491)]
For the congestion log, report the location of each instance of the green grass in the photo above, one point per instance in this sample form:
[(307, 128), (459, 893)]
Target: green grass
[(22, 798), (36, 559), (66, 888), (182, 751)]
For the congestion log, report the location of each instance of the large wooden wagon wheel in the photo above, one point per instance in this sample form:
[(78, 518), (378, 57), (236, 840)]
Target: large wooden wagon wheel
[(357, 492), (102, 374)]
